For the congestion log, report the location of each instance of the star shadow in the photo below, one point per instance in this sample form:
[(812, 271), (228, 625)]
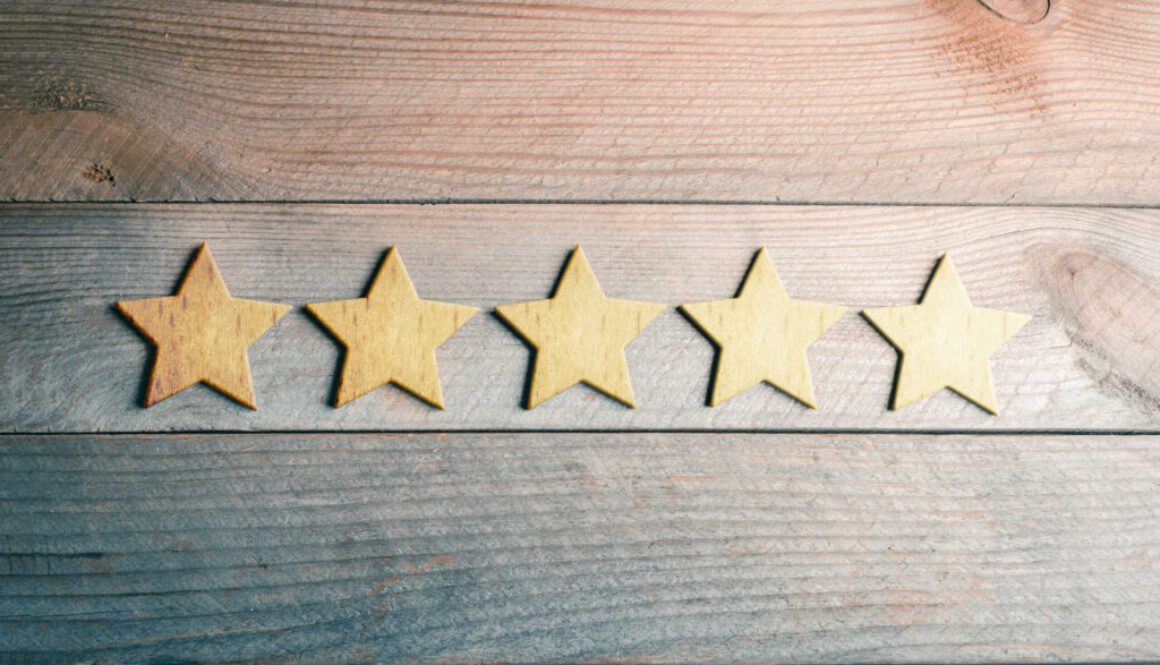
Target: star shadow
[(898, 365), (143, 384), (336, 377), (715, 366), (530, 373)]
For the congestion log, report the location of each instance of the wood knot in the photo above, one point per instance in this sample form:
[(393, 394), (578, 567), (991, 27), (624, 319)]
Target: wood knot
[(1026, 12), (61, 94), (1108, 312), (100, 173)]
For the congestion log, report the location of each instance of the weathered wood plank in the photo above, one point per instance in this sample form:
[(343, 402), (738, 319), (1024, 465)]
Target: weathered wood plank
[(1090, 278), (830, 100), (326, 548)]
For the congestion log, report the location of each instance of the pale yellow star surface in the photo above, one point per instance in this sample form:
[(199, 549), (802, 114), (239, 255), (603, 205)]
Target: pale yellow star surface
[(391, 335), (762, 335), (580, 335), (945, 342), (202, 334)]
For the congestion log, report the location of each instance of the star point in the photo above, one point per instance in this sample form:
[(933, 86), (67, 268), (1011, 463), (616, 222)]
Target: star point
[(762, 335), (579, 335), (391, 335), (945, 341), (201, 334)]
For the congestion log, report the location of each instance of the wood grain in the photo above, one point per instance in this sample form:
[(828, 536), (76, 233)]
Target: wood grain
[(634, 548), (947, 101), (1087, 361)]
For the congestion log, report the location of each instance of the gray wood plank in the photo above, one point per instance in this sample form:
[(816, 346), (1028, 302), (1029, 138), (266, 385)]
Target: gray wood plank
[(828, 100), (69, 362), (539, 547)]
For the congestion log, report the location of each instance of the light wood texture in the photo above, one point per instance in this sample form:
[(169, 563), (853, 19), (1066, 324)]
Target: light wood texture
[(750, 100), (579, 548), (579, 335), (912, 535), (945, 342), (391, 335), (1086, 361), (202, 334), (763, 335)]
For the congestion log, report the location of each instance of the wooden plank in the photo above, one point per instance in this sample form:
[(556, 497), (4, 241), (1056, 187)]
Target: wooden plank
[(830, 100), (660, 548), (1090, 278)]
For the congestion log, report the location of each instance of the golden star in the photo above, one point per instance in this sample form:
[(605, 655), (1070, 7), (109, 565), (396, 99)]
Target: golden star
[(763, 335), (580, 335), (391, 335), (945, 342), (202, 334)]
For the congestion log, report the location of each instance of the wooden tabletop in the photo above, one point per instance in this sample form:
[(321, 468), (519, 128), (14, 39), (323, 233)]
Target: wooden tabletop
[(857, 141)]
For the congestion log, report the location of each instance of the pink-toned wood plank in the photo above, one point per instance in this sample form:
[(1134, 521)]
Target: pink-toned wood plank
[(831, 100)]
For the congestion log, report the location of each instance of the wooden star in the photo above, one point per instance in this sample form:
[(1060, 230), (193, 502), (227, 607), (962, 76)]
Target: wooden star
[(763, 335), (945, 342), (391, 335), (202, 334), (580, 335)]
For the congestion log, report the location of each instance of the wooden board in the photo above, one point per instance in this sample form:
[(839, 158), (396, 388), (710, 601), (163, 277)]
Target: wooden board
[(623, 548), (1090, 278), (748, 100), (581, 531)]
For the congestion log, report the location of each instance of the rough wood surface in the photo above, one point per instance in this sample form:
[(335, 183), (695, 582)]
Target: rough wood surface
[(1086, 361), (829, 100), (322, 547), (538, 548)]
